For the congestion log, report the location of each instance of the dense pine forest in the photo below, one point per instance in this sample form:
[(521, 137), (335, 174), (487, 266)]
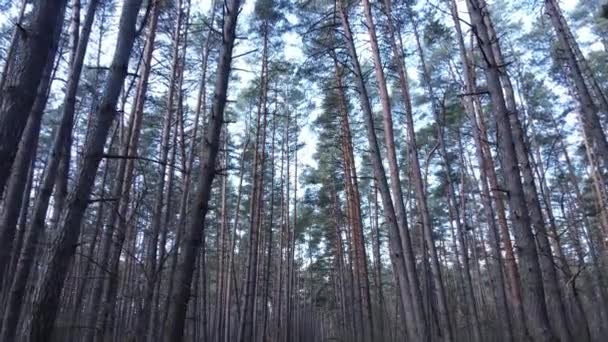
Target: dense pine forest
[(304, 170)]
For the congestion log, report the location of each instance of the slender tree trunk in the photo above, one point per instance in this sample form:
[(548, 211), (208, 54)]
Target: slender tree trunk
[(217, 333), (13, 43), (589, 111), (64, 247), (176, 79), (256, 207), (595, 89), (293, 312), (18, 177), (353, 275), (8, 220), (460, 221), (511, 268), (352, 186), (37, 223), (553, 297), (166, 221), (468, 285), (395, 215), (201, 105), (143, 317), (279, 302), (398, 61), (494, 237), (497, 265), (120, 227), (534, 296), (284, 333), (267, 273), (97, 227), (597, 185), (61, 183), (339, 265), (578, 323), (597, 274), (230, 272), (21, 224), (376, 245), (34, 47), (208, 156)]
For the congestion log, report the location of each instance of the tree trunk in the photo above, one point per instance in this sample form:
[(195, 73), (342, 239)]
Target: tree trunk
[(279, 287), (511, 267), (230, 272), (256, 201), (10, 215), (34, 48), (143, 318), (497, 265), (578, 323), (37, 223), (373, 215), (21, 225), (293, 297), (468, 284), (64, 247), (402, 264), (594, 87), (534, 296), (19, 174), (103, 291), (13, 44), (553, 298), (61, 183), (267, 273), (90, 253), (352, 187), (210, 149), (589, 111), (8, 220), (597, 274), (217, 333)]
